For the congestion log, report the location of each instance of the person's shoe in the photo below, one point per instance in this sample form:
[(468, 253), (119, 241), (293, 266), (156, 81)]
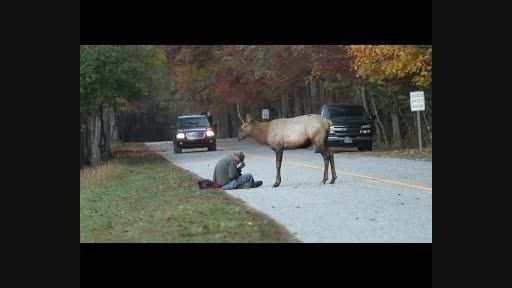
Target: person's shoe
[(246, 185), (257, 184)]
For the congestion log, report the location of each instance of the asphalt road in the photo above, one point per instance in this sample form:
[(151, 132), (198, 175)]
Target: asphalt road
[(374, 199)]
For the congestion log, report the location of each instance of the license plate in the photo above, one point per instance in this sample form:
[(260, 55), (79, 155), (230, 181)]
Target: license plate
[(348, 140)]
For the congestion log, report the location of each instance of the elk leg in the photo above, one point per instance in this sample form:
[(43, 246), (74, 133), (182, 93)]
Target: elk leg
[(325, 155), (279, 159), (333, 170)]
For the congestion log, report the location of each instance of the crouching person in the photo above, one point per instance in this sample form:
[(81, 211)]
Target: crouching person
[(228, 172)]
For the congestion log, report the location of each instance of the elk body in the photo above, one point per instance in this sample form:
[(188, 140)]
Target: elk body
[(289, 134)]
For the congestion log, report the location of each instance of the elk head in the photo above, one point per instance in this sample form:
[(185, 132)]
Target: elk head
[(246, 128)]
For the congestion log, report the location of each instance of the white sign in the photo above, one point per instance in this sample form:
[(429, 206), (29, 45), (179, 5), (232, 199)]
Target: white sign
[(265, 114), (417, 101)]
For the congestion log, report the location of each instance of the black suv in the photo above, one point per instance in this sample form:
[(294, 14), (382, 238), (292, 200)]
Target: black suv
[(194, 131), (352, 126)]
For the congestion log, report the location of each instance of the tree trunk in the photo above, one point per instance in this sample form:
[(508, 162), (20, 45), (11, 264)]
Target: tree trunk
[(225, 128), (314, 96), (379, 123), (428, 127), (107, 128), (395, 121), (355, 98), (322, 92), (377, 130), (307, 99), (291, 102), (297, 101), (282, 107), (338, 99), (230, 124), (304, 99), (226, 124), (217, 129), (411, 135), (94, 138), (363, 98), (83, 144)]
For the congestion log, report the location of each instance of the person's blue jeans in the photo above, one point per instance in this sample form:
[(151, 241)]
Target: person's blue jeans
[(238, 182)]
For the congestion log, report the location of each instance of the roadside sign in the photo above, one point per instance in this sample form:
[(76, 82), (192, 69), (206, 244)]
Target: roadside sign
[(417, 101), (418, 104), (265, 114)]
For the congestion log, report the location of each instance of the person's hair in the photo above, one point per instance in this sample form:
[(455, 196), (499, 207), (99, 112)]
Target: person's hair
[(240, 155)]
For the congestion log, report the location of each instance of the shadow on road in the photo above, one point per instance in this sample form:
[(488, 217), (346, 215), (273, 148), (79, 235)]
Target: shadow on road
[(343, 150), (199, 151)]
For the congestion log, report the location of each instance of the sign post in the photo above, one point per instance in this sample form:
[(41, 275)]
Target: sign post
[(265, 114), (418, 104)]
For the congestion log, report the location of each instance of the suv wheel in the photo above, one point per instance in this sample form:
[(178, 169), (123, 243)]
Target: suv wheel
[(212, 148)]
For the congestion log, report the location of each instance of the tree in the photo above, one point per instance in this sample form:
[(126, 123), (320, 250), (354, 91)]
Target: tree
[(398, 69), (107, 74), (393, 62)]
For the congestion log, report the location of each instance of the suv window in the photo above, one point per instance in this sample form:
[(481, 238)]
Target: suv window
[(192, 122), (336, 112)]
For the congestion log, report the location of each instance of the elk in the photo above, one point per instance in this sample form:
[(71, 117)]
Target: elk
[(289, 134)]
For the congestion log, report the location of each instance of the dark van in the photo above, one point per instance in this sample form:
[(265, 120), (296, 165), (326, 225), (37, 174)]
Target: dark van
[(352, 126)]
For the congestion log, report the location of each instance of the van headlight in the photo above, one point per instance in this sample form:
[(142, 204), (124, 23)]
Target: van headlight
[(366, 126), (180, 136), (209, 132)]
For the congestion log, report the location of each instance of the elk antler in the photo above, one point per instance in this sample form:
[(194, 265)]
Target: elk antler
[(238, 110)]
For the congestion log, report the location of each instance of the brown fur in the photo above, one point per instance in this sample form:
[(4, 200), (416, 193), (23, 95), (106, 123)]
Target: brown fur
[(289, 134)]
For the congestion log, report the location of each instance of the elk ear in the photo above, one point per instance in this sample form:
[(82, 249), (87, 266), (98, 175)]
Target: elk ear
[(248, 118)]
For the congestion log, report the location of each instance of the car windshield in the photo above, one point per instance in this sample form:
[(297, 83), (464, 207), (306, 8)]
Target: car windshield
[(337, 112), (191, 122)]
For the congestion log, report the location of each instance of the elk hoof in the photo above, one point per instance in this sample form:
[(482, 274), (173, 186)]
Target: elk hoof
[(276, 184), (323, 181), (332, 181)]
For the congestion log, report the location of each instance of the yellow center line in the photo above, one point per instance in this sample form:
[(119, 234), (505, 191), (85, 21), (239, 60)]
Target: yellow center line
[(348, 172)]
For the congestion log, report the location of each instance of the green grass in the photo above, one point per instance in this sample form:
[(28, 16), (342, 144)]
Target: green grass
[(139, 197)]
